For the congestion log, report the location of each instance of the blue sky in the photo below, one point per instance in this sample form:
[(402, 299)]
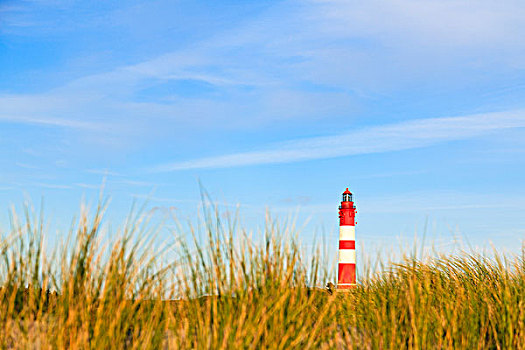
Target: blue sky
[(418, 107)]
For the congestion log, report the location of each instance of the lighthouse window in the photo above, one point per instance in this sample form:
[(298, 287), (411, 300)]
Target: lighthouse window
[(347, 197)]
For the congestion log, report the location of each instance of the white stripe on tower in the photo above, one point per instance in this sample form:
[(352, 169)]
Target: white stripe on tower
[(346, 233), (347, 256)]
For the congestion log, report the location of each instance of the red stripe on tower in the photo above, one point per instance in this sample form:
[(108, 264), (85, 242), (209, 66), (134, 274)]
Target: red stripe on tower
[(346, 271)]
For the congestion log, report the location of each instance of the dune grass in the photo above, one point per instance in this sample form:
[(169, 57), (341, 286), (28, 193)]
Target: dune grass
[(222, 288)]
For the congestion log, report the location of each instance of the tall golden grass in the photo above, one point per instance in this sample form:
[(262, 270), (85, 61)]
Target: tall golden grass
[(235, 292)]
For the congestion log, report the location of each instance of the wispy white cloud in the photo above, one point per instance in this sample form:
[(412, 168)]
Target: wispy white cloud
[(386, 138), (390, 174), (293, 62), (105, 172), (137, 183), (426, 202), (149, 197), (51, 186), (483, 23), (27, 166), (348, 47), (50, 121), (89, 186)]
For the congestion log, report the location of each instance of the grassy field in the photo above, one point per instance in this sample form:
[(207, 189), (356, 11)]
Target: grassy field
[(232, 292)]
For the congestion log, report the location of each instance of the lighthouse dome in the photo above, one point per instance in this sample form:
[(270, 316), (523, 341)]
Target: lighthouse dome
[(347, 196)]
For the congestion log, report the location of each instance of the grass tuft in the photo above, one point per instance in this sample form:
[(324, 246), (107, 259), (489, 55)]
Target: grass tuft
[(221, 289)]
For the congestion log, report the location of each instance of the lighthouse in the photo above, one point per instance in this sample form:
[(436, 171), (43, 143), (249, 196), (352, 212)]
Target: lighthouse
[(346, 269)]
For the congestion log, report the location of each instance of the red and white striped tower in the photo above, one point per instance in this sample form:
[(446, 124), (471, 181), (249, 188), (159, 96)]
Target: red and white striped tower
[(346, 272)]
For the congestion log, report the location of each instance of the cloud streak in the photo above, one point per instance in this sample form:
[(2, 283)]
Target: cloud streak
[(55, 122), (378, 139)]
